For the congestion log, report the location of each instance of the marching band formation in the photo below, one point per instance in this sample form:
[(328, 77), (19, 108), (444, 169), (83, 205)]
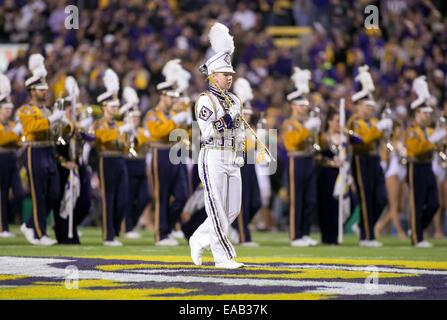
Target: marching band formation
[(365, 158)]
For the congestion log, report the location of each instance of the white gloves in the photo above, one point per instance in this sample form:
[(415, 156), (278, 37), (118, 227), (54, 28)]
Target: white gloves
[(147, 134), (58, 115), (384, 124), (17, 129), (313, 124), (180, 117), (239, 159), (437, 136), (129, 127)]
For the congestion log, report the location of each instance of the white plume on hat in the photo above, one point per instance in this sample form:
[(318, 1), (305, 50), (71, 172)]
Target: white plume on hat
[(71, 86), (220, 39), (365, 79), (420, 87), (112, 84), (170, 70), (243, 90), (5, 87), (175, 76), (222, 44), (183, 80), (300, 78), (37, 67), (131, 98)]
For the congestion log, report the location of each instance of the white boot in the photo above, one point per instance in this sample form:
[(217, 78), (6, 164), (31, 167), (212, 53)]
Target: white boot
[(168, 242), (29, 234), (229, 264), (196, 251)]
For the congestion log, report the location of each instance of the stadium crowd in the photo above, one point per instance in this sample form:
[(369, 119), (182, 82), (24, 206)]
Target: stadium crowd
[(136, 39)]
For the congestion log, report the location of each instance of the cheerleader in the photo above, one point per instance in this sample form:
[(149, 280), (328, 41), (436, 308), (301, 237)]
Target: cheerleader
[(393, 164)]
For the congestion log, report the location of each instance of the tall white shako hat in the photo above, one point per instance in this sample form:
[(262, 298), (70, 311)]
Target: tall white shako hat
[(243, 90), (365, 94), (5, 92), (37, 68), (223, 46), (420, 87), (130, 107), (170, 72), (300, 78), (112, 85)]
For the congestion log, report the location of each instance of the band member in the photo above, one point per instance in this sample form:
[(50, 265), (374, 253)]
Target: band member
[(251, 195), (218, 113), (110, 138), (300, 136), (74, 176), (135, 158), (183, 104), (420, 143), (328, 170), (38, 156), (169, 178), (393, 164), (10, 134), (368, 174)]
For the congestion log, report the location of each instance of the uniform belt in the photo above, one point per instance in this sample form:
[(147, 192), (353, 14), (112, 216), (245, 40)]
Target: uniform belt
[(299, 153), (139, 157), (161, 145), (32, 143), (7, 149), (110, 153), (420, 159), (219, 143)]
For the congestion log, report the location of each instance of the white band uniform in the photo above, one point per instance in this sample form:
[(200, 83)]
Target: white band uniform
[(220, 177)]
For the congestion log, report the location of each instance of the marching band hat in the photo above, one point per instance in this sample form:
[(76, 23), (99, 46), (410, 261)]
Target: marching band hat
[(37, 67)]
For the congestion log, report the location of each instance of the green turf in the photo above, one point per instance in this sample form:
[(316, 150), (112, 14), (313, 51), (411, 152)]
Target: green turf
[(272, 244)]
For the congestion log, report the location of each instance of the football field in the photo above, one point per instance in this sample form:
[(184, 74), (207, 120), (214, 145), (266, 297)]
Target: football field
[(274, 270)]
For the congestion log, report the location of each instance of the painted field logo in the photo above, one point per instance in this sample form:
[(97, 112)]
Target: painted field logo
[(178, 278)]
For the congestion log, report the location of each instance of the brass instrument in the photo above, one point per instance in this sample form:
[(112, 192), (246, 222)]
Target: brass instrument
[(130, 140), (58, 126), (386, 114), (315, 113)]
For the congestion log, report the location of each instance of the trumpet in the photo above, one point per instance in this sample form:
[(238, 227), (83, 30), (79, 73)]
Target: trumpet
[(386, 114), (315, 113)]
